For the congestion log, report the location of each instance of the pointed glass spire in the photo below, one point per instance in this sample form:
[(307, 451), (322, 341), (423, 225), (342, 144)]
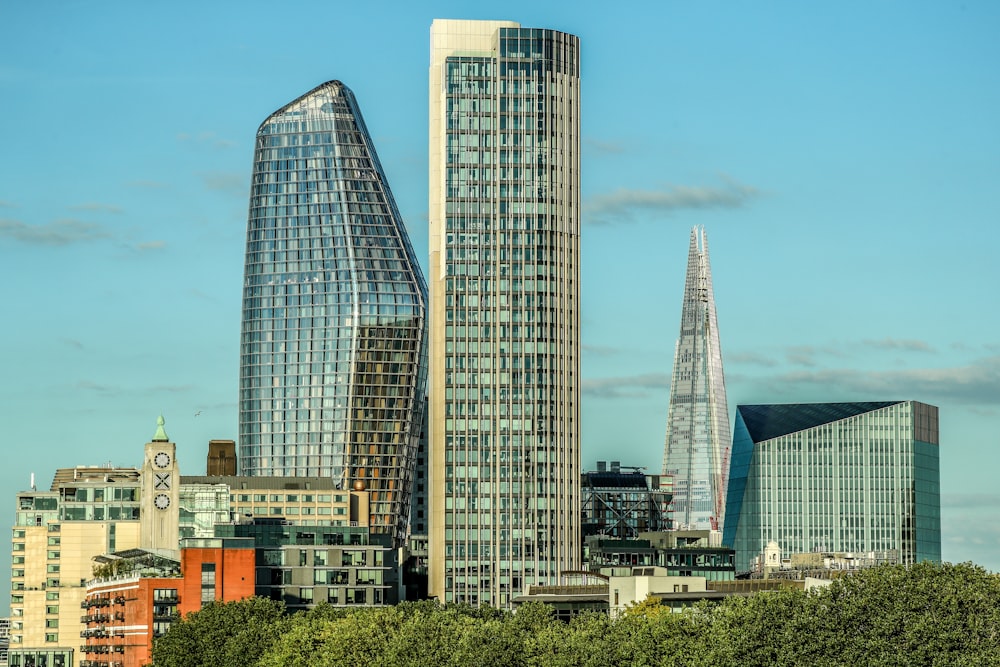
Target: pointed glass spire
[(698, 441)]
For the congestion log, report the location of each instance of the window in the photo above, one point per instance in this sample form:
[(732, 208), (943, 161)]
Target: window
[(52, 609), (165, 594), (207, 583), (52, 622)]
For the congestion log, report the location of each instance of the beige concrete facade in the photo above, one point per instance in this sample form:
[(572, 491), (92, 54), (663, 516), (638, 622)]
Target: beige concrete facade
[(160, 498), (504, 214), (53, 558)]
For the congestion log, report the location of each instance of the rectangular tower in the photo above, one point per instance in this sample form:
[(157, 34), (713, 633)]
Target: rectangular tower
[(504, 210)]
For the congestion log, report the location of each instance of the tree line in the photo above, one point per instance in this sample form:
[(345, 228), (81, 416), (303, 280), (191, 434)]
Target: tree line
[(925, 614)]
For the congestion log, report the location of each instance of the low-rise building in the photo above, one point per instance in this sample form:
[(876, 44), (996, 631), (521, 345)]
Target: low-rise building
[(141, 592), (306, 565)]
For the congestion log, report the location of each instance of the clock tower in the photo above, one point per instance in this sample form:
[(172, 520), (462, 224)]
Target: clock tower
[(160, 515)]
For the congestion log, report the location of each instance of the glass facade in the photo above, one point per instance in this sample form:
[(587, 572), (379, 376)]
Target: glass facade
[(201, 507), (504, 240), (304, 566), (837, 477), (333, 331), (696, 453)]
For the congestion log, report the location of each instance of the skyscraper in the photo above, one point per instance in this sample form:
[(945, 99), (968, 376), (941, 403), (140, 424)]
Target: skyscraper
[(332, 343), (505, 345), (841, 477), (697, 447)]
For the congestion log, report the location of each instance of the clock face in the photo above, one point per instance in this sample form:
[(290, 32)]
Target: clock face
[(161, 480), (162, 460), (162, 501)]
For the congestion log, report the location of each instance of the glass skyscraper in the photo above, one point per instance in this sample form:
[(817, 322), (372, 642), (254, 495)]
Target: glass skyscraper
[(838, 477), (504, 420), (332, 379), (696, 453)]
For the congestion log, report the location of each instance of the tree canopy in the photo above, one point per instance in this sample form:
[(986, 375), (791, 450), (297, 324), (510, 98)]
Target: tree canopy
[(926, 614)]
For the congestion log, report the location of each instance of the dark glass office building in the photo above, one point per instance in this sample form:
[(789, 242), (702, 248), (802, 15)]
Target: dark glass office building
[(332, 379)]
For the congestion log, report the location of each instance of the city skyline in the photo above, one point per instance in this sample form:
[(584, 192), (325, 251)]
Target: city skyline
[(842, 158)]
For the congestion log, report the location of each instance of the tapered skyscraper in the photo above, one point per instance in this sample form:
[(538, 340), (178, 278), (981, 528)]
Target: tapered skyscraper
[(332, 379), (504, 421), (697, 447)]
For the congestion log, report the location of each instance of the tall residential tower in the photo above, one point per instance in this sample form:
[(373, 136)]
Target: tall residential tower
[(504, 420), (697, 446), (331, 375)]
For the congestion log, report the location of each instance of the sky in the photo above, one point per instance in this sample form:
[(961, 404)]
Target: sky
[(843, 158)]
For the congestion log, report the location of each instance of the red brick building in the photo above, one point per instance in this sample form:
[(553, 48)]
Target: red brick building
[(124, 612)]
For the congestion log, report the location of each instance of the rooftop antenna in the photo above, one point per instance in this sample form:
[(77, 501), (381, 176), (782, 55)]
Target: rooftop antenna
[(33, 482)]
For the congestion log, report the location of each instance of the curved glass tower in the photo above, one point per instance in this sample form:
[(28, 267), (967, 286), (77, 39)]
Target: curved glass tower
[(333, 331), (697, 447)]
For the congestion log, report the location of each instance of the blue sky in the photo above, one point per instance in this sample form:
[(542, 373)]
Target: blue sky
[(844, 159)]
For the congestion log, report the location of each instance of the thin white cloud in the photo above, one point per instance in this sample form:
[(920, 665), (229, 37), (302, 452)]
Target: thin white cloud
[(900, 344), (750, 359), (7, 204), (227, 182), (975, 384), (114, 390), (972, 500), (206, 138), (97, 207), (151, 245), (146, 184), (603, 147), (624, 204), (57, 233), (625, 387)]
